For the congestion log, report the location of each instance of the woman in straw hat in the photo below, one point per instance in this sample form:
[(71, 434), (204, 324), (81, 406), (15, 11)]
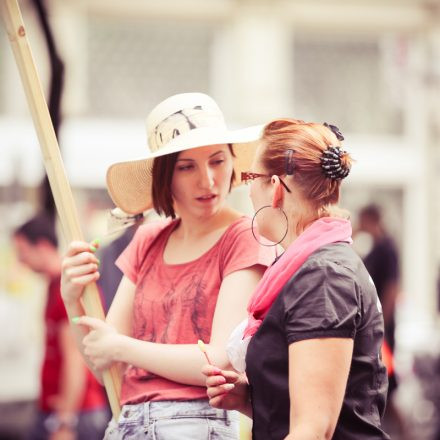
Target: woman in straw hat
[(311, 344), (185, 278)]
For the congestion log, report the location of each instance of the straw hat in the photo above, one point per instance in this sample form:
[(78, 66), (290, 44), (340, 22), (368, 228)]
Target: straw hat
[(178, 123)]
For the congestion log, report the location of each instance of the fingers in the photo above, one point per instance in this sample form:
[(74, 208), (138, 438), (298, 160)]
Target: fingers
[(97, 362), (80, 265), (79, 253), (210, 370), (218, 383), (217, 402), (85, 279), (88, 321), (219, 390), (230, 376), (81, 270), (214, 381), (78, 259), (76, 247)]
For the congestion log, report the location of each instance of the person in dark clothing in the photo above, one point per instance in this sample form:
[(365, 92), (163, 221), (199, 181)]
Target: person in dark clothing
[(309, 353), (111, 275), (382, 262)]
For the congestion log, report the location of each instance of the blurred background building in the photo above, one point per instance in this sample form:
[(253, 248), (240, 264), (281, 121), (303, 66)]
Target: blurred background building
[(370, 67)]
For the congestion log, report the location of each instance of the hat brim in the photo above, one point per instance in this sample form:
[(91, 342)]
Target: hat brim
[(129, 183)]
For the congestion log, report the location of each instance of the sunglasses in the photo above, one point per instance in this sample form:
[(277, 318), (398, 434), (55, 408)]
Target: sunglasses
[(247, 177)]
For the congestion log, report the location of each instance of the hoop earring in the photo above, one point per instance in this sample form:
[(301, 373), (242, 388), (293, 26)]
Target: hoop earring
[(253, 232)]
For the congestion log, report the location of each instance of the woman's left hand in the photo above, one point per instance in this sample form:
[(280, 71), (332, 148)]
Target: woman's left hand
[(101, 343)]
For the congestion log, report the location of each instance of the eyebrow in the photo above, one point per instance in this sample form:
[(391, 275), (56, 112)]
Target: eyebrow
[(212, 155)]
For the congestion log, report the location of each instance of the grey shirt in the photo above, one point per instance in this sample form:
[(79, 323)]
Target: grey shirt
[(331, 295)]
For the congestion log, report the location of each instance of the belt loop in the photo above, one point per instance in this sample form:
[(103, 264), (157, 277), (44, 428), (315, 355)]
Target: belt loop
[(146, 413), (227, 418)]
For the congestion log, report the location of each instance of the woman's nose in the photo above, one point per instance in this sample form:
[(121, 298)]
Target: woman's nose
[(206, 177)]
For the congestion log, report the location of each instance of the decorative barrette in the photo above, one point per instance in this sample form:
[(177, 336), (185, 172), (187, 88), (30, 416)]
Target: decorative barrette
[(335, 130), (331, 163)]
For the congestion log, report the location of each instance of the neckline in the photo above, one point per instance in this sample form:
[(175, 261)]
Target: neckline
[(215, 245)]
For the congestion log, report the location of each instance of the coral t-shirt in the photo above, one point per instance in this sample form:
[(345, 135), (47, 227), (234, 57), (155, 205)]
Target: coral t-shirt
[(175, 303)]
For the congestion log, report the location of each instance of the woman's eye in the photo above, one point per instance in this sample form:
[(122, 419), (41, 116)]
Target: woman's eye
[(217, 162), (184, 167)]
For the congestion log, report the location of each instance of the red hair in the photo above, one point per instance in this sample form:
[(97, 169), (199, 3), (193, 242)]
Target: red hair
[(308, 142)]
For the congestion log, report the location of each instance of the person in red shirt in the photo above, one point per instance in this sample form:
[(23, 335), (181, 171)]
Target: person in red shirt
[(72, 404)]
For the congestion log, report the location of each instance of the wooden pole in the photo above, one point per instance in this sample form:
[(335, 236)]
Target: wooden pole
[(54, 166)]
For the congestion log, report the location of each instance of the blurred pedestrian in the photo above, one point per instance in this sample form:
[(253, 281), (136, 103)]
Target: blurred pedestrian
[(382, 262), (72, 403), (110, 274)]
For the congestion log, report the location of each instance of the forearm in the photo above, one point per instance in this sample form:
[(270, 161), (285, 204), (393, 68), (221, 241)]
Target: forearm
[(72, 387), (307, 431), (178, 362)]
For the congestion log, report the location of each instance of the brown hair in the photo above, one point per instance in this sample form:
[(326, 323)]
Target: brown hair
[(308, 142), (371, 212), (162, 173), (39, 227)]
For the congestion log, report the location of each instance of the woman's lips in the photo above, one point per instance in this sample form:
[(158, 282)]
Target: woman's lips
[(206, 198)]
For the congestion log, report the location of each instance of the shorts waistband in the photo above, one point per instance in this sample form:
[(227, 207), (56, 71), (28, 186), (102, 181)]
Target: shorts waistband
[(148, 412)]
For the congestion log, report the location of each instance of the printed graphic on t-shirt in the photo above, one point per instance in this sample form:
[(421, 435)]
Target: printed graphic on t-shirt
[(175, 304), (174, 311)]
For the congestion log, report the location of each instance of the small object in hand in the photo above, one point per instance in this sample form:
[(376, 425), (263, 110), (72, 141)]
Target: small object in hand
[(203, 350)]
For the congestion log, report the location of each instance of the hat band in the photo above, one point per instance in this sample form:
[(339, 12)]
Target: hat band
[(182, 122)]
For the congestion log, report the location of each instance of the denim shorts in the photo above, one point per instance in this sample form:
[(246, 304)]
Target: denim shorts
[(174, 420)]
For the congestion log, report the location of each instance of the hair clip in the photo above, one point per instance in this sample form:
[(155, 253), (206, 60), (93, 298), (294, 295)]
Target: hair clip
[(290, 166), (335, 130), (332, 165)]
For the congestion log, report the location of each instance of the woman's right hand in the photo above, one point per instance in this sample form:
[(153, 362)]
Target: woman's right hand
[(226, 389), (79, 268)]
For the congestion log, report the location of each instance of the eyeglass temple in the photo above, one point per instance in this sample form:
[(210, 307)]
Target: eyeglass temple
[(285, 186)]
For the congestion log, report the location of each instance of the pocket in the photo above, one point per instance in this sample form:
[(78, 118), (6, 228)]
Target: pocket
[(111, 432), (181, 428), (130, 424), (222, 429)]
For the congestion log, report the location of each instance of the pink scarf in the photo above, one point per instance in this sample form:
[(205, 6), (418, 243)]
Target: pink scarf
[(321, 232)]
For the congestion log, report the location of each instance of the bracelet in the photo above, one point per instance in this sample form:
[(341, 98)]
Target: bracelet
[(54, 422)]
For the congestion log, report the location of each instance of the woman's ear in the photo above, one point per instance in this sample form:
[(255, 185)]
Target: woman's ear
[(278, 194)]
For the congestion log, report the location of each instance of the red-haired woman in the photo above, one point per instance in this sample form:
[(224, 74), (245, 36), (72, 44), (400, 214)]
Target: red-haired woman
[(312, 341), (185, 278)]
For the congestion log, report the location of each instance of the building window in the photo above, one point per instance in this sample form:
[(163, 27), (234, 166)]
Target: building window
[(134, 64), (346, 81)]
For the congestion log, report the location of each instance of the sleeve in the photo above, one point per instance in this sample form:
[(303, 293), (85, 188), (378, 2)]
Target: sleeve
[(323, 301), (240, 250), (131, 259)]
